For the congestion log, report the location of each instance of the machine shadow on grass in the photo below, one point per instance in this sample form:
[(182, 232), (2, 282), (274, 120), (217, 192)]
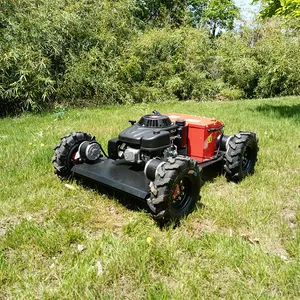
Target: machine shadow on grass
[(128, 201), (282, 111)]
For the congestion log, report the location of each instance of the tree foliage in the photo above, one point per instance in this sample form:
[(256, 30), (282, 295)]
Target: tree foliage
[(216, 15), (128, 51), (161, 12), (289, 9)]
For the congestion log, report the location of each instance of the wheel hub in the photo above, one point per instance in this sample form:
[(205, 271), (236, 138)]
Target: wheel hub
[(73, 158), (179, 193)]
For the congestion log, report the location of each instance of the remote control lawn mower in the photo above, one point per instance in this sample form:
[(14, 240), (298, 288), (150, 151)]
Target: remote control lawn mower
[(161, 159)]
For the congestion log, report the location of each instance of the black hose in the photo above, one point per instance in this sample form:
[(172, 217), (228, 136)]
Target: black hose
[(101, 148)]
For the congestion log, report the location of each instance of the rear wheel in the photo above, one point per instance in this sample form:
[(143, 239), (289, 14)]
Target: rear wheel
[(175, 190), (64, 156), (241, 156)]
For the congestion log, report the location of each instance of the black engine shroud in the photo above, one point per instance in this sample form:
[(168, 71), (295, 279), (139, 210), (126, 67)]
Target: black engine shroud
[(152, 133)]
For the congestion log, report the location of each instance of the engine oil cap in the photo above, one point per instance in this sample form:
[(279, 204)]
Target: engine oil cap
[(180, 122)]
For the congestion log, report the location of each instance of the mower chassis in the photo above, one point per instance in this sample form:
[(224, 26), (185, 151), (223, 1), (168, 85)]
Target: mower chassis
[(123, 177)]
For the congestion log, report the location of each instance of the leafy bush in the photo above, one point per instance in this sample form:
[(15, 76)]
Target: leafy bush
[(237, 62), (127, 51), (179, 62), (278, 54), (262, 61), (150, 62), (230, 94), (199, 71), (43, 39), (25, 76), (90, 76)]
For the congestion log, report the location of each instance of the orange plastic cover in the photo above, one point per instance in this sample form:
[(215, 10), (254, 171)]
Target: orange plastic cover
[(201, 141)]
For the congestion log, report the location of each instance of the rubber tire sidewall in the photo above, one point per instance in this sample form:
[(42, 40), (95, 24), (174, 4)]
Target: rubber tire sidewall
[(237, 147), (162, 188)]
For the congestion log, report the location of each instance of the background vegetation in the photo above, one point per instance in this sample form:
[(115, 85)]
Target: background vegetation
[(62, 241), (130, 51)]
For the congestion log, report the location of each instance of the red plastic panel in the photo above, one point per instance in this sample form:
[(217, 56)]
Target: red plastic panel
[(201, 141)]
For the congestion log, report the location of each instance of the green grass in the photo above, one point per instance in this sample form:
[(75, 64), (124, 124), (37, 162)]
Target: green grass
[(243, 243)]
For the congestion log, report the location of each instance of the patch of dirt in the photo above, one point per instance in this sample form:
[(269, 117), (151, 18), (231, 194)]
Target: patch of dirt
[(111, 218), (202, 226), (289, 215), (7, 223), (295, 171)]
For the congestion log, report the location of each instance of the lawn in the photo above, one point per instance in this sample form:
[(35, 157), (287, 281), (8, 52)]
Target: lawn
[(61, 241)]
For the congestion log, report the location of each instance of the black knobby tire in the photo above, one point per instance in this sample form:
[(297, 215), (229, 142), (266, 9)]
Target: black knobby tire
[(241, 156), (63, 159), (175, 190)]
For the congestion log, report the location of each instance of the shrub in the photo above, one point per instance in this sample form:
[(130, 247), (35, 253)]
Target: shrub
[(263, 61), (229, 94), (91, 76), (198, 70), (43, 39), (278, 54), (26, 81), (180, 62), (236, 60)]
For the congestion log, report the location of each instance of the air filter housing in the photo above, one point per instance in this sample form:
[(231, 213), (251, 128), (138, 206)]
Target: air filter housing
[(151, 133), (155, 121)]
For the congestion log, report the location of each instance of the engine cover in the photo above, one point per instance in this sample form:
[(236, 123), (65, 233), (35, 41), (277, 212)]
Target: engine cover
[(149, 139), (151, 133)]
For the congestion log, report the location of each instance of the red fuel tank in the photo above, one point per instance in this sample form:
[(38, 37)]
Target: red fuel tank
[(202, 135)]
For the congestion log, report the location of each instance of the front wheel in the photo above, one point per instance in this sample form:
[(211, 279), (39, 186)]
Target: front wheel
[(241, 156), (175, 189), (65, 153)]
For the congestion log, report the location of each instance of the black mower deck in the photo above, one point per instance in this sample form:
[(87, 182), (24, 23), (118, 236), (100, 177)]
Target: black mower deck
[(118, 175), (124, 177)]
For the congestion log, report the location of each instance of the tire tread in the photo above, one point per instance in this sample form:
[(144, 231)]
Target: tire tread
[(62, 149)]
